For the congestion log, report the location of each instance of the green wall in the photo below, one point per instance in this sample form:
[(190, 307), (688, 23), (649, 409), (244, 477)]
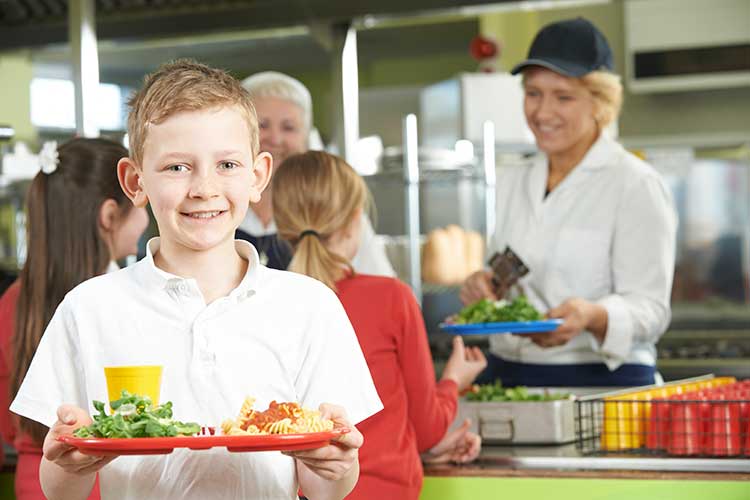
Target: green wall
[(15, 94), (489, 488)]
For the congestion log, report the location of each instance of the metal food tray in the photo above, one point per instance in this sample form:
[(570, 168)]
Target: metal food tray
[(521, 422)]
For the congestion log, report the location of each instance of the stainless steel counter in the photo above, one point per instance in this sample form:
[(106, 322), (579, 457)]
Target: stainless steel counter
[(567, 457)]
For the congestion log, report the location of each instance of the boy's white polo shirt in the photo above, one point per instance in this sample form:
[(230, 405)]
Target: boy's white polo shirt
[(278, 335)]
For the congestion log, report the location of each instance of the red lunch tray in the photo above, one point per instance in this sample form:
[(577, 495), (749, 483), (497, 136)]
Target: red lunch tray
[(161, 446)]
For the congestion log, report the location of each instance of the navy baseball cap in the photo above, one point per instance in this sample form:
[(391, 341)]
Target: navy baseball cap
[(573, 47)]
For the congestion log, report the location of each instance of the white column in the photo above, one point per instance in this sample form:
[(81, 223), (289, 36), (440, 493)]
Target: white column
[(345, 89), (411, 183), (82, 36)]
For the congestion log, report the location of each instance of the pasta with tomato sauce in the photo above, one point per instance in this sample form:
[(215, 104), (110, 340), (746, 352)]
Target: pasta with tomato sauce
[(279, 418)]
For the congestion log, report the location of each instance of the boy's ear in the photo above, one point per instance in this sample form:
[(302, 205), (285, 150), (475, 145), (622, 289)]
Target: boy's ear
[(131, 182), (262, 170)]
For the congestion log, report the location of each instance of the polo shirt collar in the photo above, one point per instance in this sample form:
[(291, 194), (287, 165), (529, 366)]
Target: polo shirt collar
[(159, 278)]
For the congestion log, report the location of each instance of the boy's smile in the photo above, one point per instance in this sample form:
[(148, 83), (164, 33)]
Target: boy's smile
[(199, 176)]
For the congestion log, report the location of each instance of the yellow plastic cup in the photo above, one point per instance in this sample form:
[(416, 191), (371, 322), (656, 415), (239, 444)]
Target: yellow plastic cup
[(141, 380), (618, 424)]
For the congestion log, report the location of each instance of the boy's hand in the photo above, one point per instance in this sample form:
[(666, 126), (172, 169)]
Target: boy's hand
[(335, 460), (70, 418)]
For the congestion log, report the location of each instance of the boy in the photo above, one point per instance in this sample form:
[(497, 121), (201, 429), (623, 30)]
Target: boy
[(200, 304)]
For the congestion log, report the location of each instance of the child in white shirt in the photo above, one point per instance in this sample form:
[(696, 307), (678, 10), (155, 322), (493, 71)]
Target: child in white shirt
[(200, 305)]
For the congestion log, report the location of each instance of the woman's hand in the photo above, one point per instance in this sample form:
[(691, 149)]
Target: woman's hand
[(577, 315), (476, 287), (68, 458), (335, 460), (458, 446), (464, 364)]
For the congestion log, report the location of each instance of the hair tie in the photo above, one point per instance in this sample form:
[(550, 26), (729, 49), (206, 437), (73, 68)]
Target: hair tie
[(309, 232)]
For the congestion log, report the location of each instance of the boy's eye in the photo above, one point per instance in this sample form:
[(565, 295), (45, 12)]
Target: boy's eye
[(177, 168), (228, 165)]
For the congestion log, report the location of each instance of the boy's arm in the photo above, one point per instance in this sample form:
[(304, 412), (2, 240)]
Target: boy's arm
[(330, 472), (64, 472)]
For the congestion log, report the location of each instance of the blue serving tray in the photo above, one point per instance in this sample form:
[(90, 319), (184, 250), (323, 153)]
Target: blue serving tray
[(544, 325)]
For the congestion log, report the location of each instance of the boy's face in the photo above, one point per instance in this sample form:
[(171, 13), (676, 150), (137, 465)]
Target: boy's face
[(199, 175)]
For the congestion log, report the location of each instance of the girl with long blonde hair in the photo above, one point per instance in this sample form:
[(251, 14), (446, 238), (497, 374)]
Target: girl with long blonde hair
[(318, 200)]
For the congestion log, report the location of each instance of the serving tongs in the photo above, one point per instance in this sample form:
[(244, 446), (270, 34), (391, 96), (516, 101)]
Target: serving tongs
[(507, 268)]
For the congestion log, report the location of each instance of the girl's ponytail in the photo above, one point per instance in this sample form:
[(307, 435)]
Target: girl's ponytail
[(312, 258), (315, 195)]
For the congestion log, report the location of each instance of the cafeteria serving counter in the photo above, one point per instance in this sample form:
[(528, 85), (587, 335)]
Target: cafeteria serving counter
[(576, 468), (562, 472)]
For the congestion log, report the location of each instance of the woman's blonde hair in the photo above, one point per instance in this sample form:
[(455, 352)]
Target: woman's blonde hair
[(315, 195), (606, 89)]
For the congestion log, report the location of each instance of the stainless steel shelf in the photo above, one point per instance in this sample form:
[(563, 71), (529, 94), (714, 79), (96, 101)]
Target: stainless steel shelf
[(568, 457), (650, 464)]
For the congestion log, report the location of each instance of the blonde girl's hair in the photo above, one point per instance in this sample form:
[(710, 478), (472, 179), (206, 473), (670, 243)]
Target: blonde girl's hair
[(321, 193), (606, 88), (185, 85)]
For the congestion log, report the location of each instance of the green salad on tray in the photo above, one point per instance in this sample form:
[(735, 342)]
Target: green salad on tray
[(135, 416), (496, 392), (489, 311)]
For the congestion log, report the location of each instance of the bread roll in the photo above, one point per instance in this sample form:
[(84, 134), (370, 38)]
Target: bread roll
[(474, 252), (436, 258)]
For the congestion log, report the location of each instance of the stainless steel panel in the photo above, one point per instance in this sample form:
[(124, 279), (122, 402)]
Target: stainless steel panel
[(521, 422), (449, 197)]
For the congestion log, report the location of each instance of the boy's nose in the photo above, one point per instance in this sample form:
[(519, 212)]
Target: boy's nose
[(203, 186)]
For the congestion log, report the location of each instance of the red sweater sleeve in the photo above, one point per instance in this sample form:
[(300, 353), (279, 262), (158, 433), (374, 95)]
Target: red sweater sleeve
[(7, 327), (432, 406)]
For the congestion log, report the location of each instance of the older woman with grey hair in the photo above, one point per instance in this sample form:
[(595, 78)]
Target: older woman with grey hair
[(284, 108)]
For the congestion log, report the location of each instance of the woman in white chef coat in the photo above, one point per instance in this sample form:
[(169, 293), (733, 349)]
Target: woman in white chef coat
[(595, 225), (284, 108)]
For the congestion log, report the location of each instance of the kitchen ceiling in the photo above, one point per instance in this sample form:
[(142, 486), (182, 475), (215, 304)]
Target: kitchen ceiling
[(293, 50), (135, 36), (25, 23)]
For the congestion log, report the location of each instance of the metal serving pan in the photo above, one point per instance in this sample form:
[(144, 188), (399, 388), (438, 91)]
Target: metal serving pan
[(521, 422)]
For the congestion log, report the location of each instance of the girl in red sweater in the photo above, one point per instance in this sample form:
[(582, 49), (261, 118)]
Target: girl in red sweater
[(78, 222), (318, 201)]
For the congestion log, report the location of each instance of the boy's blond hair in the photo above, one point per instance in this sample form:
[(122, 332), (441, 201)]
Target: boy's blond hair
[(185, 85)]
